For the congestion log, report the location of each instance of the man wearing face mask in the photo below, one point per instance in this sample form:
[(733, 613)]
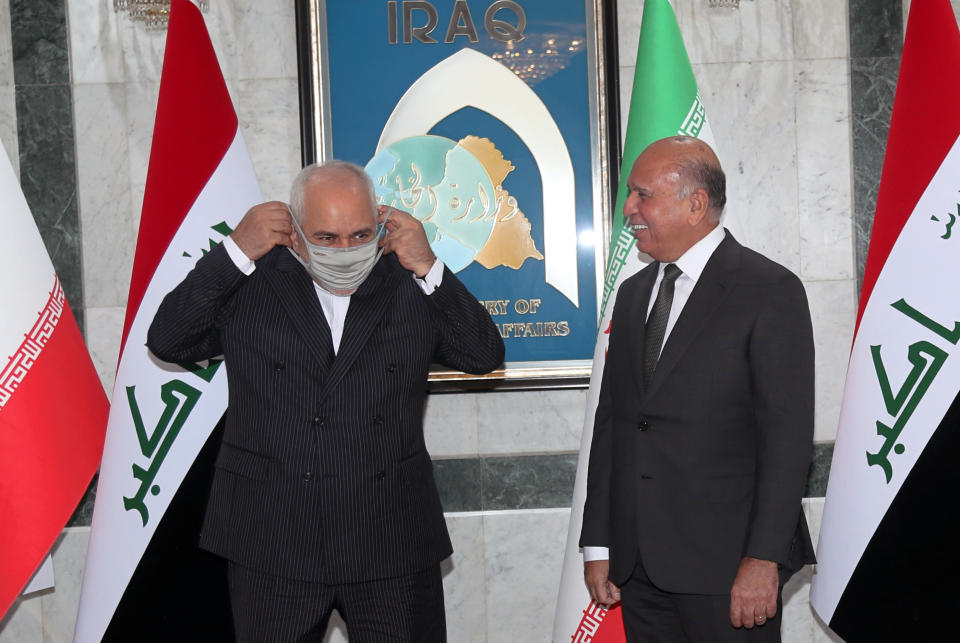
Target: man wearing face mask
[(323, 495)]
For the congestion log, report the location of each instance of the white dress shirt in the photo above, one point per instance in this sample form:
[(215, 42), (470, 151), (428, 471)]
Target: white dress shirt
[(334, 306), (691, 263)]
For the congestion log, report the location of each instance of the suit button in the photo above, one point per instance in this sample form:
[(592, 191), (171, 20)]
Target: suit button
[(391, 368), (318, 421), (307, 476), (643, 425), (378, 419), (278, 366), (381, 474)]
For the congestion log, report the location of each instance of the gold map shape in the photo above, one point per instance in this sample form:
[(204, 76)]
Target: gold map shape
[(510, 242)]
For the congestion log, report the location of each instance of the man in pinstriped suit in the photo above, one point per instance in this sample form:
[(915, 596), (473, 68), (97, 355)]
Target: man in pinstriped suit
[(323, 495)]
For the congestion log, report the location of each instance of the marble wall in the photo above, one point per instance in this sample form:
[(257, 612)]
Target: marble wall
[(8, 104), (796, 91), (45, 135)]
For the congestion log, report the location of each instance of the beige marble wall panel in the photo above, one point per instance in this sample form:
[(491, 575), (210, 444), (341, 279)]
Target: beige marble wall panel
[(751, 111), (757, 31), (8, 104), (141, 50), (96, 54), (824, 170), (524, 556), (820, 29), (822, 632), (814, 510), (103, 330), (269, 117), (23, 623), (254, 39), (530, 422), (8, 125), (797, 624), (107, 221), (626, 88), (141, 114), (336, 629), (450, 424), (222, 25), (760, 30), (6, 47), (833, 309), (464, 585), (60, 606)]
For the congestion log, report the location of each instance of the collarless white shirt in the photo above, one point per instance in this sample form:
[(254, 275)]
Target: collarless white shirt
[(334, 306), (691, 263)]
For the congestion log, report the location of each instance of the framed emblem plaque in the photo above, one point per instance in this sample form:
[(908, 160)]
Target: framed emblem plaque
[(496, 123)]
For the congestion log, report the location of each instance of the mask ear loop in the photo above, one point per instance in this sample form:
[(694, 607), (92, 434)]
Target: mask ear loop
[(303, 238), (382, 232)]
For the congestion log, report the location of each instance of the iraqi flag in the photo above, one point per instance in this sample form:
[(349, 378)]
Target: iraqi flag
[(887, 553), (664, 102), (53, 412), (145, 578)]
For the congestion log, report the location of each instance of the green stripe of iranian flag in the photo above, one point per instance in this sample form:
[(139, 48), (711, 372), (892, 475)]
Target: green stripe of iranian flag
[(664, 102)]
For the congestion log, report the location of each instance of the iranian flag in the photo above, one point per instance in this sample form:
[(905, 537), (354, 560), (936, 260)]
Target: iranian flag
[(52, 408), (887, 552), (142, 556), (664, 102)]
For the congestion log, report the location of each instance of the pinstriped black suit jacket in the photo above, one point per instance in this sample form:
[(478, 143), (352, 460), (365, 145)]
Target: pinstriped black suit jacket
[(323, 474)]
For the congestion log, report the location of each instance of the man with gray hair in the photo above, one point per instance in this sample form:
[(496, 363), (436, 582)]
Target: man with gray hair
[(704, 426), (323, 495)]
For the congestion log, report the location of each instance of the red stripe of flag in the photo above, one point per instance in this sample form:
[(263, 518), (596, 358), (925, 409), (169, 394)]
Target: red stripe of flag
[(195, 126), (917, 144), (51, 437)]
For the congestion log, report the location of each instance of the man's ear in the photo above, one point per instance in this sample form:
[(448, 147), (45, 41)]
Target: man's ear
[(295, 242), (699, 203)]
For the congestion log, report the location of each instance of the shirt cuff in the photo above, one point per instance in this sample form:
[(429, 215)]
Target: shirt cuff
[(243, 263), (595, 553), (431, 280)]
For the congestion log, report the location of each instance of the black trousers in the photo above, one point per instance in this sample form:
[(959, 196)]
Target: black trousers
[(651, 615), (268, 608)]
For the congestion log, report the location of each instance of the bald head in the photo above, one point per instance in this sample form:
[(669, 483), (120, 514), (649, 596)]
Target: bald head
[(697, 167), (349, 177)]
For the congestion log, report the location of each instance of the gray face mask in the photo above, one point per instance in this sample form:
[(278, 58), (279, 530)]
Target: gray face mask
[(340, 270)]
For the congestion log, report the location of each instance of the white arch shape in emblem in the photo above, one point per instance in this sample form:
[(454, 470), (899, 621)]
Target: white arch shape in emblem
[(471, 79)]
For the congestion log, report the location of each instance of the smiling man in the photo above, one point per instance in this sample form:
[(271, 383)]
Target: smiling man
[(704, 427), (323, 495)]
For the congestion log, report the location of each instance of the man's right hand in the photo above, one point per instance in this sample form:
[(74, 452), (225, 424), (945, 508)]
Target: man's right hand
[(596, 574), (263, 227)]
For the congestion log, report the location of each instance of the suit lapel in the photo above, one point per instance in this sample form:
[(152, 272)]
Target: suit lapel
[(297, 295), (710, 290), (367, 307)]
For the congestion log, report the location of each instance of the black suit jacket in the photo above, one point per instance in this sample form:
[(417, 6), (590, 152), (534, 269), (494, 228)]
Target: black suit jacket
[(709, 464), (323, 474)]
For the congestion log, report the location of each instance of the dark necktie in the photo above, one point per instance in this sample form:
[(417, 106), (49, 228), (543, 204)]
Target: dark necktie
[(657, 323)]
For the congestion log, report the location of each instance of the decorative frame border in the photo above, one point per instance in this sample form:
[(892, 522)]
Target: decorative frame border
[(605, 152)]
